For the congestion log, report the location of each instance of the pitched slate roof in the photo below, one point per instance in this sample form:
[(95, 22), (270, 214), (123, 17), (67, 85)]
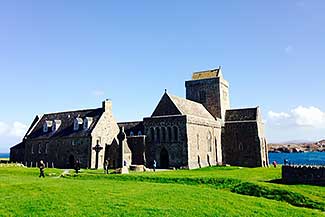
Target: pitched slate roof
[(66, 127), (247, 114), (181, 106), (20, 145)]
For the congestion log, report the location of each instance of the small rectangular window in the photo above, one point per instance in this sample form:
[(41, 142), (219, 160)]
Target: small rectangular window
[(202, 96)]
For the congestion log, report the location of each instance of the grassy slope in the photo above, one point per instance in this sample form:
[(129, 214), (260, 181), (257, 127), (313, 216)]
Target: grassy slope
[(94, 194)]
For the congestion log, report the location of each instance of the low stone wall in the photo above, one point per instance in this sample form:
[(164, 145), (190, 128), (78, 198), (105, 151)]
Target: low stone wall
[(292, 174)]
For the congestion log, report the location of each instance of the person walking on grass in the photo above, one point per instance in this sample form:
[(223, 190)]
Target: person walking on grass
[(154, 165), (274, 164), (106, 166), (77, 166), (41, 169)]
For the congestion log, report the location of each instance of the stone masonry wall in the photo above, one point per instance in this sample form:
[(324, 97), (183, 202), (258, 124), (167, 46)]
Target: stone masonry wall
[(156, 141), (241, 144), (314, 175), (137, 145), (58, 152), (207, 92), (204, 142), (213, 93), (105, 133)]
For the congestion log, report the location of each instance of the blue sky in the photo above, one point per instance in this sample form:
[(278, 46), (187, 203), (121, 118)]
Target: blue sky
[(63, 55)]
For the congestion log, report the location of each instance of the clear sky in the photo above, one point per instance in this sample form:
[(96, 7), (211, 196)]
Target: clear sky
[(62, 55)]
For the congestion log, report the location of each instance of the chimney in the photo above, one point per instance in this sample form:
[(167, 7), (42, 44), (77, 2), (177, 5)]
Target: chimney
[(107, 105)]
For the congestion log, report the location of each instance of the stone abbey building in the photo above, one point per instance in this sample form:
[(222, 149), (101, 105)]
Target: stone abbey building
[(201, 130)]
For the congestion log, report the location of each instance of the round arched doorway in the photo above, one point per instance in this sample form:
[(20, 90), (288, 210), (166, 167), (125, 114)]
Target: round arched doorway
[(164, 159)]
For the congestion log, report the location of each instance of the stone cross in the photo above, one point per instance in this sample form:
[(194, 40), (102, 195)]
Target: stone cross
[(97, 149)]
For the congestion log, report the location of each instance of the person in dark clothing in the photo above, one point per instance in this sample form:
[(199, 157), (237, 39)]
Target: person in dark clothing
[(106, 166), (274, 164), (77, 166), (41, 169), (154, 165)]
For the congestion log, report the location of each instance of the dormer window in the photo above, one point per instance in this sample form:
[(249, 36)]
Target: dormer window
[(55, 125), (76, 123), (87, 122), (46, 126)]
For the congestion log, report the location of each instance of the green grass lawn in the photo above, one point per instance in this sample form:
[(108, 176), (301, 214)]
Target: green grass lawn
[(216, 191)]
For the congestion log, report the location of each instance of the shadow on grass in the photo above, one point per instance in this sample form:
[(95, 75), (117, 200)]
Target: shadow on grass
[(296, 199), (282, 182)]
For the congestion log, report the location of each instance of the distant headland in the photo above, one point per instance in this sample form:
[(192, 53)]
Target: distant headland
[(297, 147)]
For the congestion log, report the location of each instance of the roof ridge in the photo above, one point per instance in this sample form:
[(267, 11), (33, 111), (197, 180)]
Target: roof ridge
[(79, 110), (188, 100)]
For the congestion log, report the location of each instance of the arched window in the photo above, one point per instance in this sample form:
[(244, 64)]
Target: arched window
[(199, 161), (169, 134), (152, 134), (163, 131), (139, 133), (158, 135), (198, 142), (241, 148), (32, 149), (131, 133), (209, 138), (46, 148), (216, 143), (40, 148), (175, 129)]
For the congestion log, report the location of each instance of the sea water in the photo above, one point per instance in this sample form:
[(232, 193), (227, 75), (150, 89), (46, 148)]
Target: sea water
[(307, 158)]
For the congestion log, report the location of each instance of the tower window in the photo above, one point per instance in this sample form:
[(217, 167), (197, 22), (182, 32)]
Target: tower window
[(202, 96), (198, 142), (225, 95)]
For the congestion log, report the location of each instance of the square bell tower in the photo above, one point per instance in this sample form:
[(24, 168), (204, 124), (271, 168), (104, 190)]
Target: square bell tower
[(210, 89)]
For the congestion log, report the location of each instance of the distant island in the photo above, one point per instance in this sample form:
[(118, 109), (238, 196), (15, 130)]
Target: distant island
[(297, 147)]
